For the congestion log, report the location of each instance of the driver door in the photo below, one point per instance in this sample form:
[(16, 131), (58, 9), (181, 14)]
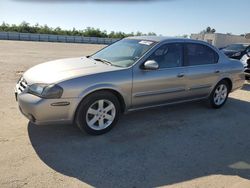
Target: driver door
[(164, 85)]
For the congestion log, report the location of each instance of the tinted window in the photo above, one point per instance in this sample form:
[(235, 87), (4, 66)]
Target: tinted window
[(236, 47), (168, 56), (198, 54)]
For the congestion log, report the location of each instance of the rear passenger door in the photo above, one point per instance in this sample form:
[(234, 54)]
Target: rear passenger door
[(203, 71)]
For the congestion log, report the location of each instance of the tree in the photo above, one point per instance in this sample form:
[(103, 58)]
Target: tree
[(151, 34), (185, 36), (213, 31), (208, 30), (25, 27)]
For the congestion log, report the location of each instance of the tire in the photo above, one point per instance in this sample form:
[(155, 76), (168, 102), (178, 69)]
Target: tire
[(91, 116), (219, 95)]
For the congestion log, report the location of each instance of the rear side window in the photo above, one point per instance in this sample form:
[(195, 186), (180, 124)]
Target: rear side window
[(198, 54)]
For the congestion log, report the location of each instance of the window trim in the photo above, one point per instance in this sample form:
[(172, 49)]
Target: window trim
[(186, 60)]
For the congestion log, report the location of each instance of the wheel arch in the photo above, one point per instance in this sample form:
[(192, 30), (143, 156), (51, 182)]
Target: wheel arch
[(115, 92), (228, 80), (230, 83)]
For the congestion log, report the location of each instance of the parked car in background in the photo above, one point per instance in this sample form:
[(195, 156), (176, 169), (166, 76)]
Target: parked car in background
[(236, 51), (246, 62), (131, 74)]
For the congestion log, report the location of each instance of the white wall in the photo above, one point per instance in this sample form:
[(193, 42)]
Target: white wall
[(220, 40), (55, 38)]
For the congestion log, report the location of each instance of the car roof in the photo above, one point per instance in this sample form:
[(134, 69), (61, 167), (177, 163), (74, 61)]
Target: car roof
[(245, 44), (163, 39)]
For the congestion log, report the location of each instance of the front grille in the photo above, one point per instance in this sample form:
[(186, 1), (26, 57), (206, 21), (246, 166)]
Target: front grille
[(21, 85)]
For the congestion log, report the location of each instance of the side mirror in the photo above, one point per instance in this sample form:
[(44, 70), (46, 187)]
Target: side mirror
[(151, 65)]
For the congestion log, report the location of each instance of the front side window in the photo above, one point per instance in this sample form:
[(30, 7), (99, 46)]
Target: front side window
[(198, 54), (125, 52), (168, 56)]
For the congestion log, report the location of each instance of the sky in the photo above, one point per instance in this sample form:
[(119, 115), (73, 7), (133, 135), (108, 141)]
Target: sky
[(164, 17)]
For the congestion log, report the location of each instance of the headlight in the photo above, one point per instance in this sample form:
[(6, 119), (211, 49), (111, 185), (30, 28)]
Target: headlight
[(46, 91), (236, 54), (244, 61)]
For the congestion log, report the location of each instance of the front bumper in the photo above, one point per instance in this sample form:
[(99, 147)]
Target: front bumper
[(46, 111), (247, 72), (246, 62)]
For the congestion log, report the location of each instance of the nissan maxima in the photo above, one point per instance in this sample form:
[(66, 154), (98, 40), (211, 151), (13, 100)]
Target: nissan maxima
[(131, 74)]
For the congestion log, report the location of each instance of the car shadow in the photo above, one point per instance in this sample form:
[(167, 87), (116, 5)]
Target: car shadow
[(152, 148), (246, 86)]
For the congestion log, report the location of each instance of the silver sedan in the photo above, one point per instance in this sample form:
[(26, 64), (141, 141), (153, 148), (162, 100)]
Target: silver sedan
[(131, 74)]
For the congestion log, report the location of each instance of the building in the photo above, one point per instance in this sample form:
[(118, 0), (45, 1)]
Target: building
[(221, 40), (248, 35)]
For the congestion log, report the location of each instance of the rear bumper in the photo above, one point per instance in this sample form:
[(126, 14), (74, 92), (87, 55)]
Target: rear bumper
[(238, 81), (47, 111)]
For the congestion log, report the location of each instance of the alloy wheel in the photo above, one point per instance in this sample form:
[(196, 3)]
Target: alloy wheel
[(100, 114), (220, 94)]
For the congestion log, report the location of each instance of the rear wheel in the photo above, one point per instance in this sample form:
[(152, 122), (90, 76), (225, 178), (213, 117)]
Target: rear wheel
[(219, 95), (98, 113)]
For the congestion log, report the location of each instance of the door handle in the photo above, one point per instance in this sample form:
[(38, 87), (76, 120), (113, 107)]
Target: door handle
[(180, 75), (217, 71)]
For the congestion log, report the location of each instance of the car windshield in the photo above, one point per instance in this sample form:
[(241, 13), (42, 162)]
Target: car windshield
[(123, 53), (236, 47)]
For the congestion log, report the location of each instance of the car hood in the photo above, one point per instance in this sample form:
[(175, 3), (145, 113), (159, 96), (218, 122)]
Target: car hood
[(64, 69), (229, 51)]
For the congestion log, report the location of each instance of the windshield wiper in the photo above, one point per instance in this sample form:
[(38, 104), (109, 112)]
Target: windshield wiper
[(103, 61)]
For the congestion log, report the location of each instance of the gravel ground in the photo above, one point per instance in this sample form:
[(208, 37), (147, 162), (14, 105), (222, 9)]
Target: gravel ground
[(186, 145)]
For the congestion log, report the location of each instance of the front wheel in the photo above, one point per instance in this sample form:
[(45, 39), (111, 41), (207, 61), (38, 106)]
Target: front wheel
[(219, 95), (98, 113)]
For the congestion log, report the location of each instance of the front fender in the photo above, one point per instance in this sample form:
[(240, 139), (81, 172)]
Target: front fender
[(98, 87)]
